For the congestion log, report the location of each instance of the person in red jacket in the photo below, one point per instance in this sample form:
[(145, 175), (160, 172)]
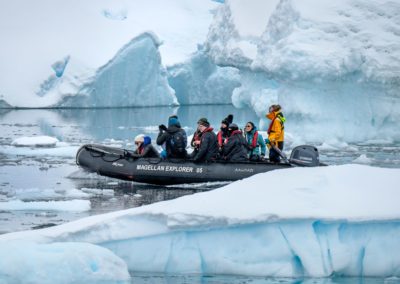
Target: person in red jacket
[(208, 147)]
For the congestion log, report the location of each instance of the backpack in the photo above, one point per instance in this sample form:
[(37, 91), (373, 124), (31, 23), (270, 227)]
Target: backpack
[(178, 142)]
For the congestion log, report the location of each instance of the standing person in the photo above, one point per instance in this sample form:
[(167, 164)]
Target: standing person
[(255, 141), (235, 150), (223, 133), (144, 149), (276, 132), (208, 147), (174, 137)]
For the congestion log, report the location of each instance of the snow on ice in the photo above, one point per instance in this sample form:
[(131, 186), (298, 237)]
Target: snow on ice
[(78, 56), (36, 141), (300, 222), (327, 63), (316, 60)]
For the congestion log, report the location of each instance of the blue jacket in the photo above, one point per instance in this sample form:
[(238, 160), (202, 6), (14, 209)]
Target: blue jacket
[(260, 143)]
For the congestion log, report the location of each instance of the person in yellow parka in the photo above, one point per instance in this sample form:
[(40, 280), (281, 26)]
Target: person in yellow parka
[(276, 133)]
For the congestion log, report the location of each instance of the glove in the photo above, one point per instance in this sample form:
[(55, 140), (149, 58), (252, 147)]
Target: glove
[(162, 127), (266, 140)]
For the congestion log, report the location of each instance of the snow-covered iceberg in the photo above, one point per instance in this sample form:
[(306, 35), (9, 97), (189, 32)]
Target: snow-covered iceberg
[(53, 49), (300, 222), (329, 64)]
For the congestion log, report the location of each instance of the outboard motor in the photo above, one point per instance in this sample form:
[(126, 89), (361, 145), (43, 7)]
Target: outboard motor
[(305, 156)]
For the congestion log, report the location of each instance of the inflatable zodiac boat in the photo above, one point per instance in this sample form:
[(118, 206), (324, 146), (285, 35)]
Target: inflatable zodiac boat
[(118, 163)]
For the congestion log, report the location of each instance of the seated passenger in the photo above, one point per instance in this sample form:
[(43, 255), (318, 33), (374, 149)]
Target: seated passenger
[(235, 150), (195, 143), (174, 137), (223, 133), (255, 141), (144, 149), (208, 147)]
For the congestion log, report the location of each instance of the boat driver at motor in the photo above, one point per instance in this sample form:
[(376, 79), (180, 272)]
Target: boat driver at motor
[(275, 132)]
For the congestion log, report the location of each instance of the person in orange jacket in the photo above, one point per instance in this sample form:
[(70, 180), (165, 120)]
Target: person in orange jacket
[(276, 133)]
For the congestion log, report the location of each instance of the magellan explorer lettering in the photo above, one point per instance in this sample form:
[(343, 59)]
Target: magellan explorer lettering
[(177, 169)]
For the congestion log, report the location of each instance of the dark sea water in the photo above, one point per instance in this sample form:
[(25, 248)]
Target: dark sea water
[(30, 177)]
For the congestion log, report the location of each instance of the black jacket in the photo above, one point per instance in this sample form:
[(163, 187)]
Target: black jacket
[(148, 152), (235, 150), (165, 136), (208, 149)]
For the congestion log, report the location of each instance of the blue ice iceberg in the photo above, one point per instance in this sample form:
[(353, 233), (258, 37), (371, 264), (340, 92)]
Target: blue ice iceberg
[(333, 67), (134, 77), (200, 81)]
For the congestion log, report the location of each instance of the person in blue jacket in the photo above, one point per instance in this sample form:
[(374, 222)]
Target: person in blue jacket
[(144, 148), (255, 142)]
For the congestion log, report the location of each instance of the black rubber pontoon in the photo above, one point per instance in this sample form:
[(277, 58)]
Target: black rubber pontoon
[(118, 163)]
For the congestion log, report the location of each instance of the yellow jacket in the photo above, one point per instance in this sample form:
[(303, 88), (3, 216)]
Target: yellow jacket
[(276, 131)]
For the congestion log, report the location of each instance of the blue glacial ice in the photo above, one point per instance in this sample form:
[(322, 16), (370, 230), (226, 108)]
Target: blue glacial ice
[(301, 222), (134, 77), (67, 262), (331, 65), (200, 81), (99, 31), (59, 66)]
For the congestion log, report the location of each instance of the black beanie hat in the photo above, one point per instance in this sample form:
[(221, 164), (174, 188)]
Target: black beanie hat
[(204, 121), (227, 120), (233, 126)]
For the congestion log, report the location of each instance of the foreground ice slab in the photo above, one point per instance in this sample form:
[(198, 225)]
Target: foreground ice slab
[(24, 262), (317, 222)]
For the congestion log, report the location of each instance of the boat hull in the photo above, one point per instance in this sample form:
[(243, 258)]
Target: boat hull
[(117, 163)]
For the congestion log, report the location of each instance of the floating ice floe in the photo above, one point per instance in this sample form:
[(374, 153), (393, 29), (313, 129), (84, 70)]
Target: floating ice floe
[(76, 205), (363, 159), (35, 141)]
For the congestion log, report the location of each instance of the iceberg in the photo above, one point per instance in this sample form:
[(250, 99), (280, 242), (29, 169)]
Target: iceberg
[(134, 77), (327, 64), (55, 53), (301, 222), (200, 81)]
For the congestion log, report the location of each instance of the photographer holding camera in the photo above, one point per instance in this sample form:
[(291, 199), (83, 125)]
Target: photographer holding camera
[(173, 138)]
